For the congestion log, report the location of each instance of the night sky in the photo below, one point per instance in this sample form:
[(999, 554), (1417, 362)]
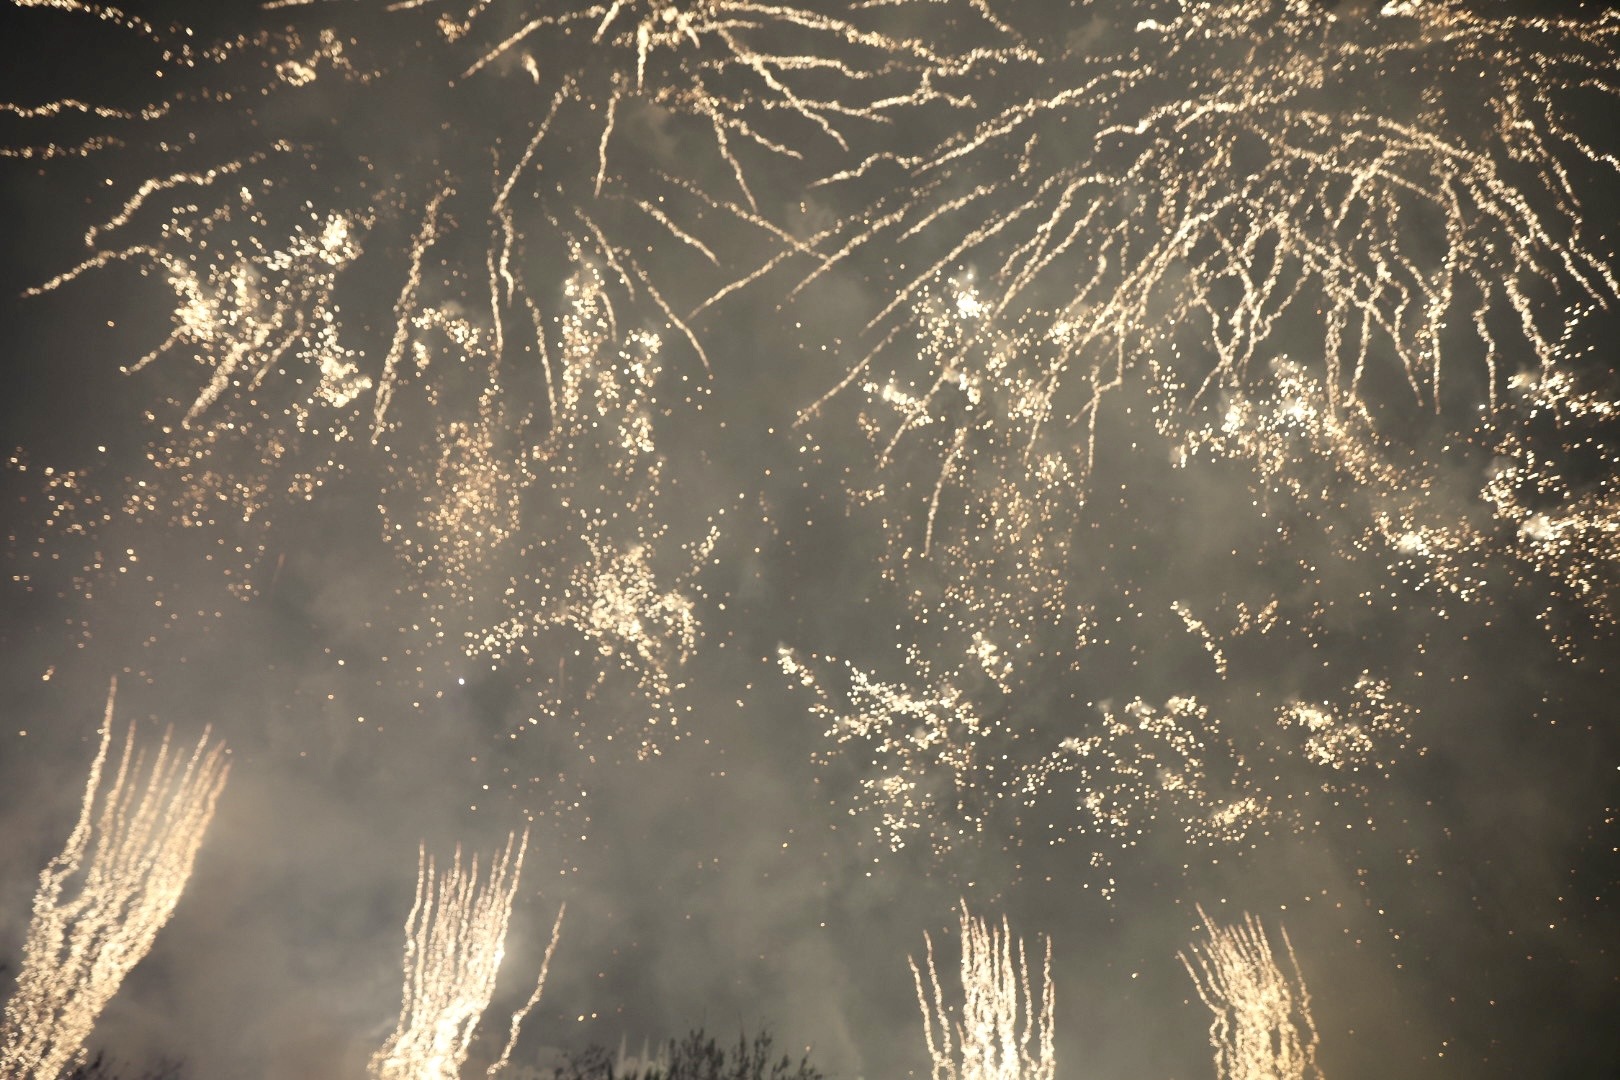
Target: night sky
[(815, 465)]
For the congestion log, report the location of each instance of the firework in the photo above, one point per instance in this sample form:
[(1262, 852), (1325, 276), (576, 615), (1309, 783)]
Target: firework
[(102, 901), (1209, 191), (266, 288), (455, 939), (945, 759), (1244, 227), (999, 1031), (1262, 1028), (1230, 176)]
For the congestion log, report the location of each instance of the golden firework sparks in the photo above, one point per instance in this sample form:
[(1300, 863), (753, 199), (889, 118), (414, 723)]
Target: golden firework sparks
[(1262, 1028), (102, 901), (455, 940), (1000, 1030)]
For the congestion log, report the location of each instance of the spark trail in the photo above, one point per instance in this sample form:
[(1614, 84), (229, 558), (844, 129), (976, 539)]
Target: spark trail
[(1262, 1029), (455, 940), (102, 901), (1244, 175), (1000, 1030)]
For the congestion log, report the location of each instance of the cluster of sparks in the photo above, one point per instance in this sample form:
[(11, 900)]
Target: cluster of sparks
[(1000, 1029), (102, 901), (936, 761), (530, 538), (1262, 1027), (455, 940)]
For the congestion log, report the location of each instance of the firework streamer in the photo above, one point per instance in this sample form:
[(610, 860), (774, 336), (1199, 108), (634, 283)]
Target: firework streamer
[(1262, 1028), (455, 940), (1206, 189), (102, 901), (1246, 231), (1228, 171), (999, 1031), (267, 288), (522, 1014)]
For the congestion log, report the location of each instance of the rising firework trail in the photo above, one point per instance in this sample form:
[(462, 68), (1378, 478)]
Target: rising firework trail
[(1000, 1030), (102, 901), (455, 940), (1262, 1027)]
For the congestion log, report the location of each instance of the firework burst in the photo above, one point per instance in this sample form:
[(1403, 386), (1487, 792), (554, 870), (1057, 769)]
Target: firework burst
[(1294, 247), (1238, 175)]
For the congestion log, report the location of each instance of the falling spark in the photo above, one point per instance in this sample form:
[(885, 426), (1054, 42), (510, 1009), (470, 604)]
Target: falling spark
[(102, 901), (1229, 169), (999, 1031), (455, 940), (1231, 177), (250, 295), (1262, 1028)]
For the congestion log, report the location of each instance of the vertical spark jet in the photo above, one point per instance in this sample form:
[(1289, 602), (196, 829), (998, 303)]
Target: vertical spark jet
[(1262, 1028), (455, 940), (102, 901), (999, 1032)]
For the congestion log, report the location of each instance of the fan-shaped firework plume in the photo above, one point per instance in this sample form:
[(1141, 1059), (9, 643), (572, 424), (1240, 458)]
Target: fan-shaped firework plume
[(1000, 1030), (455, 939), (1231, 180), (1273, 235), (1262, 1028), (102, 901)]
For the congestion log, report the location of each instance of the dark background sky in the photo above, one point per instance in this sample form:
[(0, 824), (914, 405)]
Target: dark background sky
[(1452, 913)]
